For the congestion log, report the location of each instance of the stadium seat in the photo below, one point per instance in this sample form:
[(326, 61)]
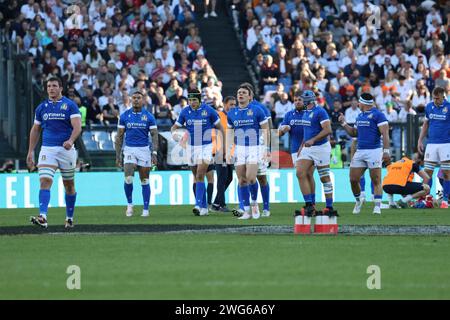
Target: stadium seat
[(87, 135), (106, 145), (113, 136), (90, 145), (100, 136)]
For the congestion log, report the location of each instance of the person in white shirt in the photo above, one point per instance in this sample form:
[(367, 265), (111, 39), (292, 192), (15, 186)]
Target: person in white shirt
[(110, 6), (124, 79), (407, 109), (352, 113), (363, 57), (122, 40), (390, 113), (380, 57), (253, 34), (102, 40), (167, 59), (281, 107), (75, 56), (55, 25), (383, 99), (405, 91), (433, 15)]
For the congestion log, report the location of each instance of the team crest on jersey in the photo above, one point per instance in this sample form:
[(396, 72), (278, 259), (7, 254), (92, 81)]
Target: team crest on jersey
[(445, 110), (292, 122), (64, 106), (144, 118), (235, 122), (250, 112), (189, 122), (204, 113), (128, 125), (45, 116)]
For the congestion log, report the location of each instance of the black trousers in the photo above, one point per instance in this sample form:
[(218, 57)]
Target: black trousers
[(224, 178), (409, 188)]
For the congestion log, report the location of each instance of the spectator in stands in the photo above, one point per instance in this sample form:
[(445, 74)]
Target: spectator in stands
[(164, 116), (269, 75), (111, 112), (94, 112), (213, 9), (407, 109), (352, 113), (420, 97)]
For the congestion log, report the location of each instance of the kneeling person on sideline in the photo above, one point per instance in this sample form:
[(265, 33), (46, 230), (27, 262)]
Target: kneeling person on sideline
[(136, 124), (399, 179)]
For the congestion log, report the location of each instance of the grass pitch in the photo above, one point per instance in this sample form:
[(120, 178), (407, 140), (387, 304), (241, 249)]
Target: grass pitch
[(156, 264)]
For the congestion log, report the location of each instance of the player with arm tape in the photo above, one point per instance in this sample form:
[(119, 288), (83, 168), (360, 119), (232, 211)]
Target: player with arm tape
[(199, 119), (437, 151), (293, 124), (134, 126), (246, 122), (315, 152), (60, 122), (370, 125)]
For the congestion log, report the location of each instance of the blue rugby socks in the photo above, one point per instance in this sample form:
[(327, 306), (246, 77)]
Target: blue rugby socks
[(265, 192), (70, 205), (128, 187), (146, 195), (254, 191), (44, 199)]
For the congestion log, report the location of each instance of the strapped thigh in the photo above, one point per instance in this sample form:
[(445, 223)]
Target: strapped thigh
[(67, 174), (46, 172)]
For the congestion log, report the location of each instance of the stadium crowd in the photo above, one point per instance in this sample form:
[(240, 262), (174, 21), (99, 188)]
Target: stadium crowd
[(103, 48), (396, 50)]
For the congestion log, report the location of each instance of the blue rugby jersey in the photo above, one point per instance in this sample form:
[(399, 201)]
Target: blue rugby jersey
[(137, 126), (246, 123), (199, 123), (54, 118), (368, 123), (263, 108), (439, 122), (312, 123), (294, 119)]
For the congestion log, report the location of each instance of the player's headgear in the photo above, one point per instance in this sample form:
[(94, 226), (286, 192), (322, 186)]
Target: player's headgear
[(308, 97), (366, 98), (195, 94)]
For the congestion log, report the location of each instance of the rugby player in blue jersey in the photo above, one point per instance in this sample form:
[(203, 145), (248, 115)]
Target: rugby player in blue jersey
[(135, 124), (246, 123), (293, 124), (263, 164), (437, 151), (371, 124), (60, 122), (199, 120), (315, 152)]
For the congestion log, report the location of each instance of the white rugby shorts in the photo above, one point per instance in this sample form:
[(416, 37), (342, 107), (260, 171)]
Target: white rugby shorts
[(367, 158), (58, 157), (320, 155), (437, 152), (199, 154), (140, 156), (247, 155)]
